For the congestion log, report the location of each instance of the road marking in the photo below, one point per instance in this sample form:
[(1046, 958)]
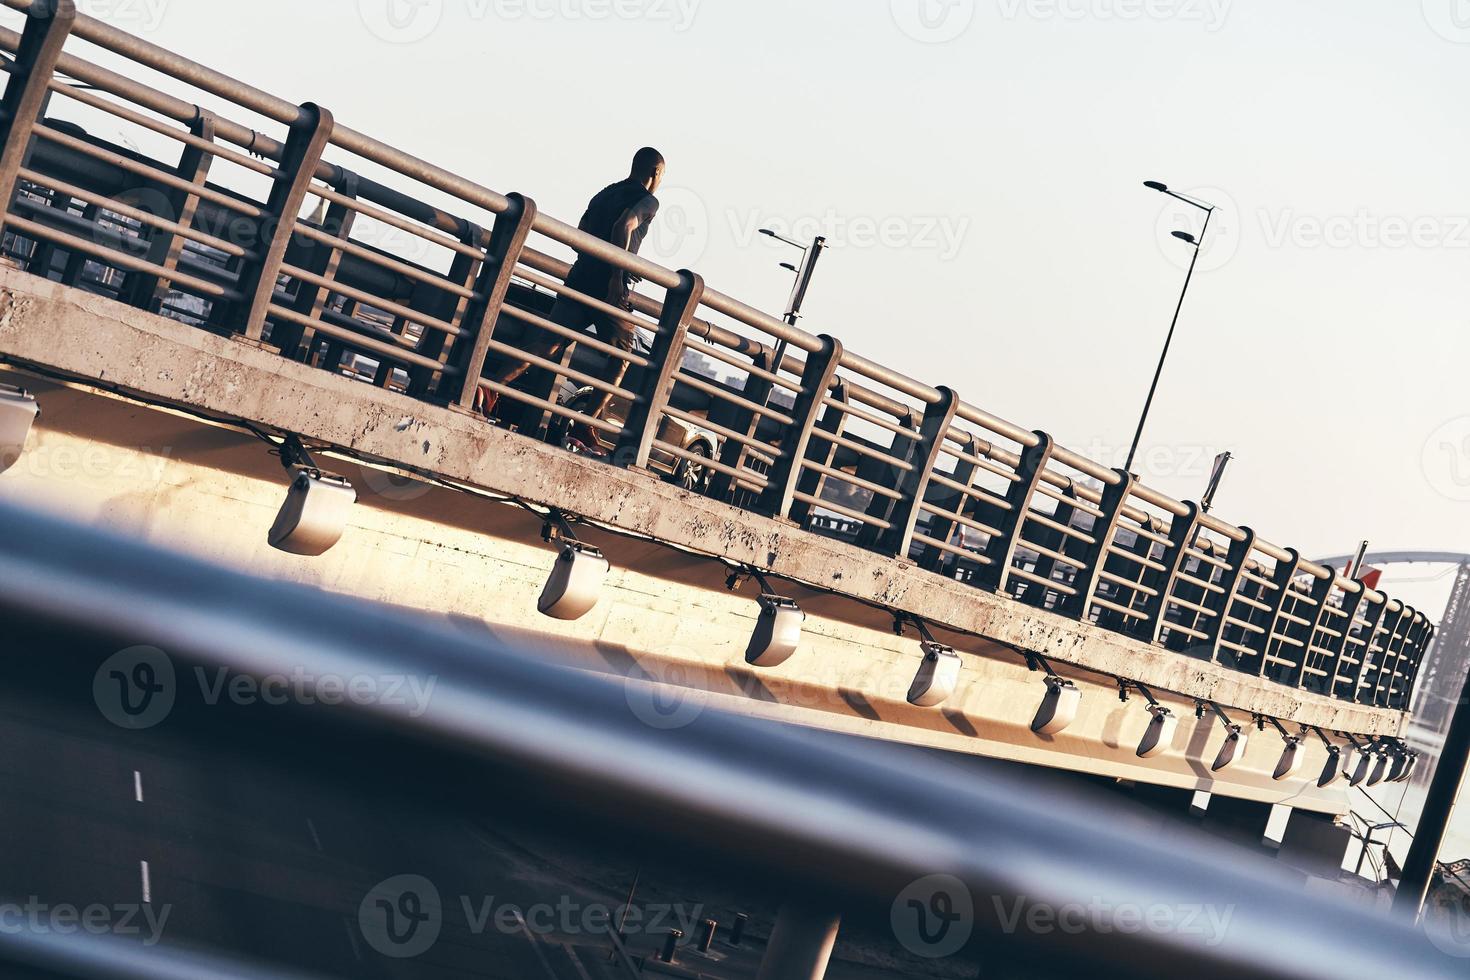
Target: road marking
[(147, 885), (314, 838), (352, 937), (138, 786), (577, 962), (535, 945)]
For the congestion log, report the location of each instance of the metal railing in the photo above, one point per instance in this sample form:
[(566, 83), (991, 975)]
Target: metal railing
[(384, 286), (852, 825)]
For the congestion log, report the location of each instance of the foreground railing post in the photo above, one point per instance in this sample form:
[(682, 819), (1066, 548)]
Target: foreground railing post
[(1274, 619), (1001, 551), (438, 345), (733, 452), (943, 528), (1321, 593), (48, 24), (1439, 805), (801, 942), (922, 454), (303, 153), (1421, 653), (1222, 601), (507, 240), (295, 339), (1164, 581), (635, 443), (165, 247), (1392, 650), (1337, 646), (1371, 626), (820, 372), (1104, 531)]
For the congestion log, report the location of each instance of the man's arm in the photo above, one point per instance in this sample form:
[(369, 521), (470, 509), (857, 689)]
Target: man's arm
[(628, 233)]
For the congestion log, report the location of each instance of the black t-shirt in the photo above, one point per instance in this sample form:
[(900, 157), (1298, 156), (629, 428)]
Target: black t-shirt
[(593, 276)]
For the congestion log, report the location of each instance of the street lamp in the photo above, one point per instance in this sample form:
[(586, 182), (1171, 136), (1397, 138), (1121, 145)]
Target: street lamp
[(804, 271), (809, 256), (1198, 243)]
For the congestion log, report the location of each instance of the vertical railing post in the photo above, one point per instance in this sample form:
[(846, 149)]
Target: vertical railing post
[(821, 370), (294, 339), (922, 455), (1155, 607), (1321, 593), (1391, 653), (1386, 687), (646, 415), (733, 452), (820, 451), (1382, 639), (303, 153), (48, 24), (1001, 550), (1095, 559), (942, 528), (507, 240), (1422, 646), (464, 271), (1371, 625), (1274, 619), (1336, 646), (166, 247), (1223, 601)]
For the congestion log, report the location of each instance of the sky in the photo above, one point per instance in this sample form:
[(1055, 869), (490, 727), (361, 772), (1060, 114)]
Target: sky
[(977, 166)]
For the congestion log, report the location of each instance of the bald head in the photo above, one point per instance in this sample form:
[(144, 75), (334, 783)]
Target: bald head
[(648, 168)]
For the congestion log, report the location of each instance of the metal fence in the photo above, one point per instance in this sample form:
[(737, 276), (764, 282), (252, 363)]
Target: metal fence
[(851, 825), (381, 285)]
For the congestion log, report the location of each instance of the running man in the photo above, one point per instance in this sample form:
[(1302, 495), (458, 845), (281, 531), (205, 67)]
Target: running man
[(620, 214)]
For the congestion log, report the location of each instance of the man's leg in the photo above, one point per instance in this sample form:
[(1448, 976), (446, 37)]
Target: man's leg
[(622, 335), (545, 345)]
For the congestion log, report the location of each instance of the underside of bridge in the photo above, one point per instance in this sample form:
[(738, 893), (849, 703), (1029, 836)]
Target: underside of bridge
[(144, 429)]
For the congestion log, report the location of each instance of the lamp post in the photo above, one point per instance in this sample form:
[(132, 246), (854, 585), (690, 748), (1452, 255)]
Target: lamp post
[(809, 256), (804, 271), (1198, 243)]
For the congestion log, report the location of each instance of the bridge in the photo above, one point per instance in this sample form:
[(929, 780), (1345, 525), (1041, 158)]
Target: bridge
[(248, 277)]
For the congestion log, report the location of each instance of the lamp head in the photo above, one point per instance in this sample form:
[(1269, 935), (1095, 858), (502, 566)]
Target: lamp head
[(1155, 185), (1185, 236)]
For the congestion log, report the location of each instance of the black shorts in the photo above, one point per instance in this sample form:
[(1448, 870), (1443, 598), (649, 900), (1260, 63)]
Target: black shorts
[(576, 316)]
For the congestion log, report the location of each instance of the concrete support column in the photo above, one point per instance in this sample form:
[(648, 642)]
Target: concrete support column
[(801, 943)]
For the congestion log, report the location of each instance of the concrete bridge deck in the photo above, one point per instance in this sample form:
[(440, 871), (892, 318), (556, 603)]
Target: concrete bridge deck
[(124, 441)]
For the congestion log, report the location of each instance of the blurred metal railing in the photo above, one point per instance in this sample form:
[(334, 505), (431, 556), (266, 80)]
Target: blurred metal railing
[(381, 285), (822, 818)]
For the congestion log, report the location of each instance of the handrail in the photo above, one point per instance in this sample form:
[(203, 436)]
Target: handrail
[(855, 823), (445, 361)]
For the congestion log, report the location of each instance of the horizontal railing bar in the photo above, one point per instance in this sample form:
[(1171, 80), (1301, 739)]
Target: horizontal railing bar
[(824, 504), (383, 261), (163, 177), (363, 296), (724, 394), (211, 147), (845, 477), (556, 367), (137, 214), (577, 336), (365, 340), (203, 287), (871, 452), (750, 477), (968, 522), (968, 555)]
